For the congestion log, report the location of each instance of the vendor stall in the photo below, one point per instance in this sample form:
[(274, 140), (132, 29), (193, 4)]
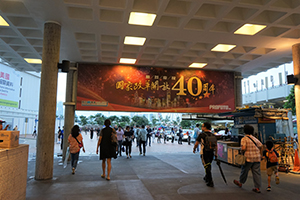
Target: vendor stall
[(269, 124)]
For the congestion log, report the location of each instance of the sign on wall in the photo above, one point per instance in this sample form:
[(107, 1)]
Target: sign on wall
[(9, 87), (147, 89)]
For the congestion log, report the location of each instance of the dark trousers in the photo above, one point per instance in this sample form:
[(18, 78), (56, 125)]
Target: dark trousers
[(173, 139), (207, 158), (189, 140), (120, 147), (92, 134), (180, 140), (144, 146), (62, 143), (128, 148), (148, 139), (74, 159)]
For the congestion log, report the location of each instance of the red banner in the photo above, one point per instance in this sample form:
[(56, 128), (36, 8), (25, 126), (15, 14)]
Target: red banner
[(148, 89)]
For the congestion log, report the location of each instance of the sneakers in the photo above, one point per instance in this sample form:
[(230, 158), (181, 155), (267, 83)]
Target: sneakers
[(73, 170), (269, 188), (236, 182), (256, 190), (277, 180)]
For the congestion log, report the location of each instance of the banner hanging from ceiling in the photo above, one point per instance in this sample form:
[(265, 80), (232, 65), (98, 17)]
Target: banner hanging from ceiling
[(149, 89), (9, 87)]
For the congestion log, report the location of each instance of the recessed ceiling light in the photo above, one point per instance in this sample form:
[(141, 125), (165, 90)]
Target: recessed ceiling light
[(142, 19), (198, 65), (33, 60), (139, 41), (3, 22), (223, 47), (127, 60), (250, 29)]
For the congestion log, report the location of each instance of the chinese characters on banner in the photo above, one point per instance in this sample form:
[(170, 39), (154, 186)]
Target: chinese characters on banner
[(146, 89), (9, 87)]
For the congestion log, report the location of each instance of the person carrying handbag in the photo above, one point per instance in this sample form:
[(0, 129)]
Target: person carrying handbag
[(252, 148), (75, 144), (108, 144)]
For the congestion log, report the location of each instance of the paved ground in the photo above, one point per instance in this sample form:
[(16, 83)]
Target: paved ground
[(168, 171)]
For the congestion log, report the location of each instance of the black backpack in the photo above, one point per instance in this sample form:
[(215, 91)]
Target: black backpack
[(210, 142)]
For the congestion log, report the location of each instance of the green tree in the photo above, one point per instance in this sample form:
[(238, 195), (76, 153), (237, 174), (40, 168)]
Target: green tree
[(124, 119), (91, 119), (100, 118), (167, 121), (174, 123), (178, 119), (154, 121), (83, 120), (76, 118), (185, 124), (114, 119), (137, 120), (291, 101)]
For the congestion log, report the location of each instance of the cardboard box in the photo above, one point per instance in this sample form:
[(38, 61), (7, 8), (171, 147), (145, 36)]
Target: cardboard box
[(9, 139)]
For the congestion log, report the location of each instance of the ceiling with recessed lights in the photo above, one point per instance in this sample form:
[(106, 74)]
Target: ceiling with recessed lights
[(183, 32)]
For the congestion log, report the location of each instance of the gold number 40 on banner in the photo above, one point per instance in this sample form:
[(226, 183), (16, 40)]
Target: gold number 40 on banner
[(181, 87)]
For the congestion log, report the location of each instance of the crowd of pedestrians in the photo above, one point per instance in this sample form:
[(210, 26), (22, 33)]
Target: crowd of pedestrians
[(112, 142)]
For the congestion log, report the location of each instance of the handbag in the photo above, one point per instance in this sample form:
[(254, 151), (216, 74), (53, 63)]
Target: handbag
[(79, 144), (240, 159)]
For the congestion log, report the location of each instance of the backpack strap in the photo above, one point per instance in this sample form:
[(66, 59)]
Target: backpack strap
[(77, 140), (252, 141)]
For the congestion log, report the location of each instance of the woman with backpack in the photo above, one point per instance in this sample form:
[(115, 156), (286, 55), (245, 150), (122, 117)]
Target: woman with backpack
[(75, 144)]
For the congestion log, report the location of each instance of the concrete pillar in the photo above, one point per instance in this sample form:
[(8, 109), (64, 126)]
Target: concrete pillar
[(69, 106), (47, 107), (238, 89), (296, 61)]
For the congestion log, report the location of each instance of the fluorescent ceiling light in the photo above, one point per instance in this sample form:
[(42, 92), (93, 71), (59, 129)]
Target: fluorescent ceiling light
[(198, 65), (127, 60), (139, 41), (3, 22), (223, 47), (33, 60), (142, 19), (250, 29)]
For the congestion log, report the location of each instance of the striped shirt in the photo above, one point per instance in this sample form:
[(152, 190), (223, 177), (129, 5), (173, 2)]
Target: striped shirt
[(252, 152)]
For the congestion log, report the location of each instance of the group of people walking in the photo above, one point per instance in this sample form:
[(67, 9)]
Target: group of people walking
[(251, 147), (127, 136), (111, 144)]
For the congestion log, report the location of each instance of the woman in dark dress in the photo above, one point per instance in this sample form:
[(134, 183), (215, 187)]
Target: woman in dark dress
[(128, 138), (107, 148)]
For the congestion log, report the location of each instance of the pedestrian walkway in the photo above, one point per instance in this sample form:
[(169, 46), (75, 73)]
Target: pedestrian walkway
[(172, 173)]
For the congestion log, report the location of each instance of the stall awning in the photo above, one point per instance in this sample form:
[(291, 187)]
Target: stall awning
[(267, 113)]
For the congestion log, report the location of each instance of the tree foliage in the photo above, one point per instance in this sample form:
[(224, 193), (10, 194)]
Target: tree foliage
[(83, 120), (291, 101), (185, 124), (114, 119), (154, 121), (138, 120), (99, 118)]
